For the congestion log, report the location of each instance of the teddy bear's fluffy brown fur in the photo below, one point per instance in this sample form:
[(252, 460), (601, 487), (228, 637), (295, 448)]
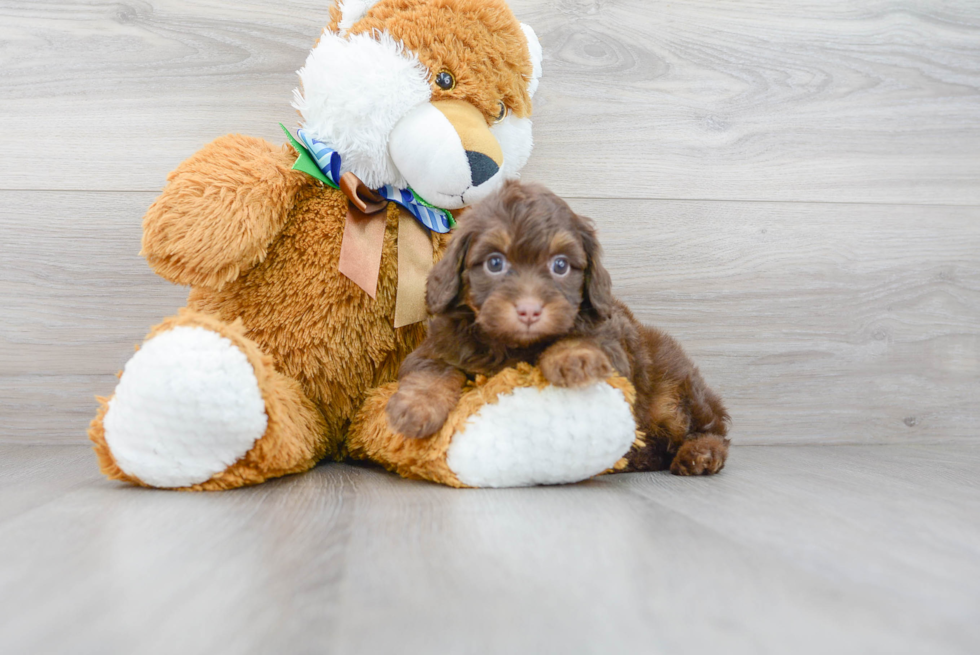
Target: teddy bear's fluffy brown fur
[(491, 62)]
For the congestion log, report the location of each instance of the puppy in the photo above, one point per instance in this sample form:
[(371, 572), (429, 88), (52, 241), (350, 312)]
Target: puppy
[(522, 281)]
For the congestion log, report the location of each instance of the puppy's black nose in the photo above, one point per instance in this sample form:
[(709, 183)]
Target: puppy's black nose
[(529, 312), (482, 168)]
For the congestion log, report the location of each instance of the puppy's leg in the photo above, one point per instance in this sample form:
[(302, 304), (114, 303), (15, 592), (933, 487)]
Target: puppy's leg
[(684, 421), (574, 363), (424, 399), (683, 432), (705, 447), (685, 424)]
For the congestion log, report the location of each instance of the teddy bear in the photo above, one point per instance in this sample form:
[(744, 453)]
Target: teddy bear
[(307, 262)]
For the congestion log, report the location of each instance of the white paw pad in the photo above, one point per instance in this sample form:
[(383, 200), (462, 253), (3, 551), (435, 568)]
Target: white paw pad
[(547, 436), (188, 406)]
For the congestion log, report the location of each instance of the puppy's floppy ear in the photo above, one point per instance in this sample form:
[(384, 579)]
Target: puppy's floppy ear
[(598, 285), (445, 280)]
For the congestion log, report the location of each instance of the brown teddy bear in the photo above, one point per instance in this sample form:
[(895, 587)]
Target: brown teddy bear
[(307, 263)]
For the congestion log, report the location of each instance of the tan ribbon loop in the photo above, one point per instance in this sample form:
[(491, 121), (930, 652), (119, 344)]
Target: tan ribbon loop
[(364, 198), (364, 234), (414, 264)]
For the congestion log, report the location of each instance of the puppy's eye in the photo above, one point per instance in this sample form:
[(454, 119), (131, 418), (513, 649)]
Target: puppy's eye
[(560, 266), (501, 112), (446, 81), (495, 264)]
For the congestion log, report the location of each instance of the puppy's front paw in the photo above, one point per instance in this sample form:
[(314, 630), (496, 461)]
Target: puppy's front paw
[(701, 456), (413, 415), (576, 365)]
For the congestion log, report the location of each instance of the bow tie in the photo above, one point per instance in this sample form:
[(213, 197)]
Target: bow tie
[(325, 167), (362, 246)]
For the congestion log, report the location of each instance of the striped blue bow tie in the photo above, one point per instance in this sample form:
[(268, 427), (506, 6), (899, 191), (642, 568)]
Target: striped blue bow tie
[(324, 164)]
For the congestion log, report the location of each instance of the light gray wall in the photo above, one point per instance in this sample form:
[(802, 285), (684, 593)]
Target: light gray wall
[(792, 189)]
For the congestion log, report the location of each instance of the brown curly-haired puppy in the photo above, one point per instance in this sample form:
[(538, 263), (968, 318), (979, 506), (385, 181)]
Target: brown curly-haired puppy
[(521, 281)]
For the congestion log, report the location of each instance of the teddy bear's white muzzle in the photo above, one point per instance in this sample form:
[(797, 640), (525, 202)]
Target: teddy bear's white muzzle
[(447, 153)]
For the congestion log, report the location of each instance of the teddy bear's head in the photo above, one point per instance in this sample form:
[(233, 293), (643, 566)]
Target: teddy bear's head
[(429, 94)]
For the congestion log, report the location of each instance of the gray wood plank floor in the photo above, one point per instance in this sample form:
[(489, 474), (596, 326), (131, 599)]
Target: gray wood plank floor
[(807, 549)]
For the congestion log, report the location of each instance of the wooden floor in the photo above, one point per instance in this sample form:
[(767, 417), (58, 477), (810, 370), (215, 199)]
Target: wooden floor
[(792, 549), (791, 189)]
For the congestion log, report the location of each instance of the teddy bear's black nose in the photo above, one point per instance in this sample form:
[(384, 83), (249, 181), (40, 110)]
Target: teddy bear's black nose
[(482, 168)]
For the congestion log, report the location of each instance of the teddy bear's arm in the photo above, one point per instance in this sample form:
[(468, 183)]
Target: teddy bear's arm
[(220, 210)]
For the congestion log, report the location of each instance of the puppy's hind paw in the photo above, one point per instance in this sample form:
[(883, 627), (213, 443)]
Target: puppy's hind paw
[(704, 455)]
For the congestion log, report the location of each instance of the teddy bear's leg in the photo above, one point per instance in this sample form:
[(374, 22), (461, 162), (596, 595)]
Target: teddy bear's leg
[(199, 406)]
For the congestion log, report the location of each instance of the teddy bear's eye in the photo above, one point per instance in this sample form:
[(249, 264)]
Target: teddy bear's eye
[(445, 81), (501, 112), (495, 264)]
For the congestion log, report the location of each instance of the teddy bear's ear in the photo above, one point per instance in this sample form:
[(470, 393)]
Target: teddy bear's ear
[(534, 47), (352, 11)]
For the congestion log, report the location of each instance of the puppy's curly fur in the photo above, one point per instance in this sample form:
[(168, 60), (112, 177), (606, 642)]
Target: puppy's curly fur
[(522, 281)]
